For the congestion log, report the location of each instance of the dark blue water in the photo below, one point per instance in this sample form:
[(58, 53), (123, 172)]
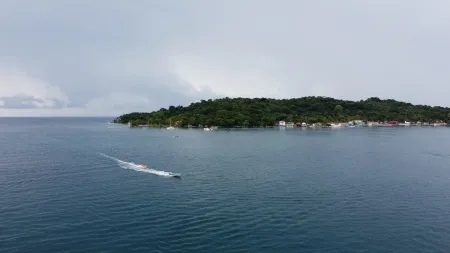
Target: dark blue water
[(330, 190)]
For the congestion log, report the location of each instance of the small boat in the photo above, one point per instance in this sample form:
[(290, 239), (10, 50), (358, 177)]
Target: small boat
[(143, 166), (170, 127), (176, 175)]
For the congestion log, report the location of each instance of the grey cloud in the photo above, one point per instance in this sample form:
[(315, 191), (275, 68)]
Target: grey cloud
[(159, 91), (28, 102), (163, 51)]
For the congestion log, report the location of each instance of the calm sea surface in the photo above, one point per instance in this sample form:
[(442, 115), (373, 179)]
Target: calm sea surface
[(71, 185)]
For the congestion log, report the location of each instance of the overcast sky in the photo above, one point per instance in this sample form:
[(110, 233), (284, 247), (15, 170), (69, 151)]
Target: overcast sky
[(108, 57)]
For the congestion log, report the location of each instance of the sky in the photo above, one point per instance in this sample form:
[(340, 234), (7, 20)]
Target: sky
[(109, 57)]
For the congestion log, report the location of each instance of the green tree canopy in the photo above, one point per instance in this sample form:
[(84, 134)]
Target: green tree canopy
[(257, 112)]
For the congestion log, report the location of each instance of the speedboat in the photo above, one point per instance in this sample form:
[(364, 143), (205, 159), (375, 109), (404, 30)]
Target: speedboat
[(143, 166), (176, 175)]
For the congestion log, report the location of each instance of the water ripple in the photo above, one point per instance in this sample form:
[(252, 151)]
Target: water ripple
[(368, 190)]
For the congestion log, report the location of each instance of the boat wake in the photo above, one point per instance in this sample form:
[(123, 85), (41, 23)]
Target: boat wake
[(137, 167)]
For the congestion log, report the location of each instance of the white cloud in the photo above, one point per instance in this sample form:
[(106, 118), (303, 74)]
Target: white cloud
[(113, 104), (29, 91)]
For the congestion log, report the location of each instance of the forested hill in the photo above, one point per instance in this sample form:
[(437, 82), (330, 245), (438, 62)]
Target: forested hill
[(228, 112)]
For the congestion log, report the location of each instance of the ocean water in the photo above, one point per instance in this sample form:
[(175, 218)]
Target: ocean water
[(72, 185)]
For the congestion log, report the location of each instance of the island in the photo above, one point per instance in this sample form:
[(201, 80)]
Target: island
[(305, 111)]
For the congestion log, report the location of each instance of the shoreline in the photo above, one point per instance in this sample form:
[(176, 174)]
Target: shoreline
[(333, 126)]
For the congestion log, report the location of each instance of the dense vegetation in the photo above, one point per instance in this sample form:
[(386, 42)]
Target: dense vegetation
[(246, 112)]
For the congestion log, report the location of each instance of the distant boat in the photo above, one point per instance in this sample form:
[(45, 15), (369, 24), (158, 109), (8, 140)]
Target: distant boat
[(338, 125), (405, 124), (206, 128), (170, 127)]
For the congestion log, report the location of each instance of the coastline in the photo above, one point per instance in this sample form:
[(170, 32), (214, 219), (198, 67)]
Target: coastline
[(308, 126)]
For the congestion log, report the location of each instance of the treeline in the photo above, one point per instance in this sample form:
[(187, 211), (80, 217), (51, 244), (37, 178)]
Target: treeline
[(260, 112)]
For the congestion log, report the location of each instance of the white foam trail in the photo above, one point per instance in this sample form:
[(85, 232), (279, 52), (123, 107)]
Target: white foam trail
[(133, 166)]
